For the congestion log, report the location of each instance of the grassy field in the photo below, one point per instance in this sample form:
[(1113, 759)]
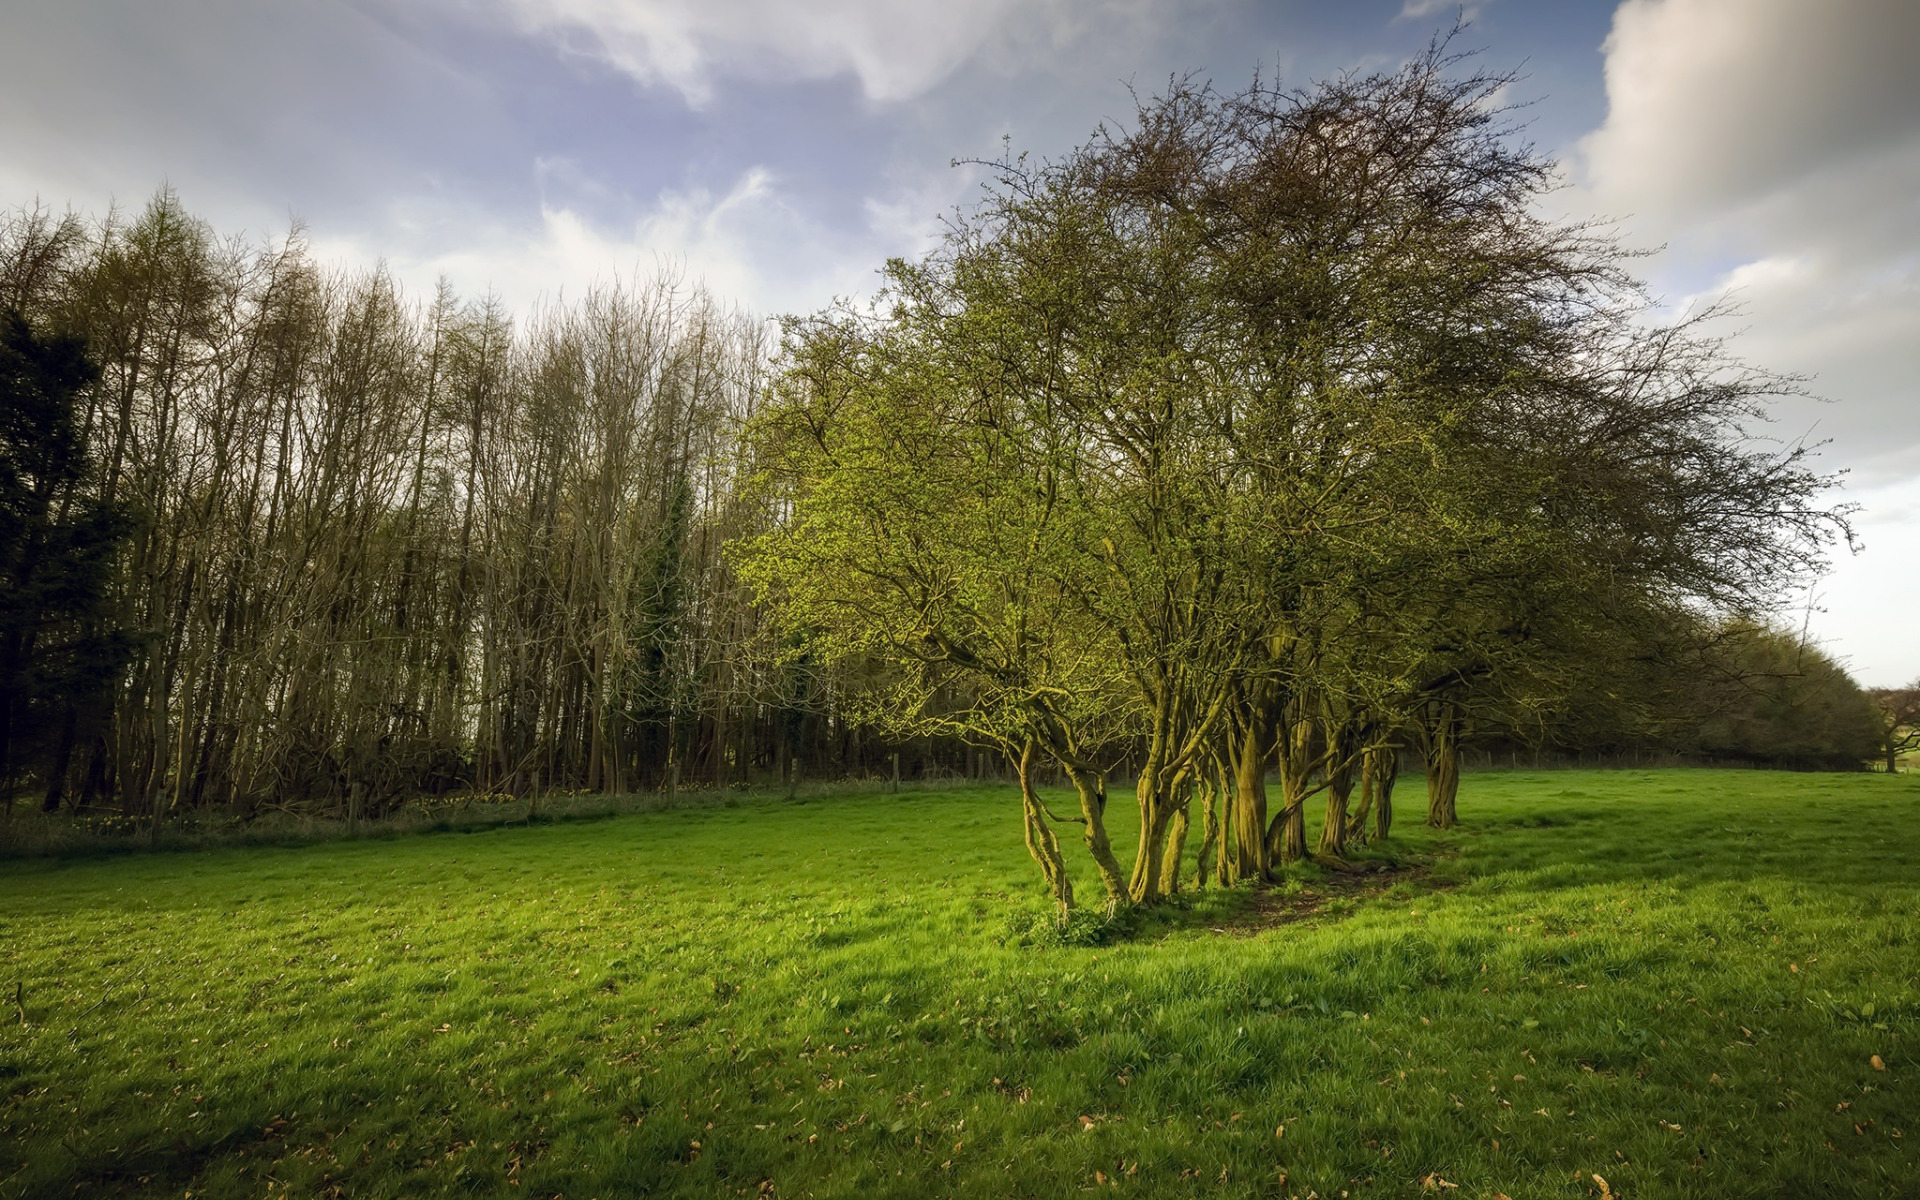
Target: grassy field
[(1683, 982)]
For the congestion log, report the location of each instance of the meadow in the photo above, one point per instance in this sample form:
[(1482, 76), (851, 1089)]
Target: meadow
[(1659, 983)]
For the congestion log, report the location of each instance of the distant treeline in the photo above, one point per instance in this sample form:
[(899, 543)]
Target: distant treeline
[(313, 542), (370, 548)]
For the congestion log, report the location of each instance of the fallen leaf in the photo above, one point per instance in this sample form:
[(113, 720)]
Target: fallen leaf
[(1878, 1063), (1606, 1193), (1100, 1177), (1279, 1130), (1086, 1123)]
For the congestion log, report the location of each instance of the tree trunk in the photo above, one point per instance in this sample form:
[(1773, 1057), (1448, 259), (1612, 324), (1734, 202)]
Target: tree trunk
[(1041, 841), (1369, 787), (1287, 836), (1333, 830), (1248, 804), (62, 761), (1175, 851), (1223, 839), (1443, 768), (1209, 832), (1092, 791), (1340, 772), (1385, 774), (1156, 818), (1153, 793)]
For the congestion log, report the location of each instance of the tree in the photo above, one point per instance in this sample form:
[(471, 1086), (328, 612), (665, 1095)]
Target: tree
[(59, 649), (930, 532), (1898, 711), (1290, 411)]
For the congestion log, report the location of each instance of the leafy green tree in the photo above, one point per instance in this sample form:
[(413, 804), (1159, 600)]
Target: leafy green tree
[(1293, 425), (929, 533)]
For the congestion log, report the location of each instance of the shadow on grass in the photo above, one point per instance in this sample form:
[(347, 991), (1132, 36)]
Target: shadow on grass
[(1667, 830), (64, 836)]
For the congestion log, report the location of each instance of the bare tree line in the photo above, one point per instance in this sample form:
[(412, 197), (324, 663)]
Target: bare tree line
[(383, 547)]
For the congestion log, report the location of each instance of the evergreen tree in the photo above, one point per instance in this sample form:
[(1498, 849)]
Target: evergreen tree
[(59, 648)]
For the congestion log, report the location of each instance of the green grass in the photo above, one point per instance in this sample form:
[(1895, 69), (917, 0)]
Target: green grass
[(1673, 979)]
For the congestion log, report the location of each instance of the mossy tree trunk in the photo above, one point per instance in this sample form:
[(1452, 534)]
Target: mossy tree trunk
[(1342, 753), (1442, 749), (1287, 837), (1091, 787), (1369, 786), (1247, 804), (1387, 773), (1379, 766), (1041, 840), (1210, 832), (1176, 847)]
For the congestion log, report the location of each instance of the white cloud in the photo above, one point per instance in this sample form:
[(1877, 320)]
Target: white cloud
[(1414, 10), (1773, 146), (746, 243), (896, 49), (1864, 609), (1714, 102)]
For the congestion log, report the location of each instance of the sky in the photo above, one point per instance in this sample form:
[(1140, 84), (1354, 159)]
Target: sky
[(1765, 152)]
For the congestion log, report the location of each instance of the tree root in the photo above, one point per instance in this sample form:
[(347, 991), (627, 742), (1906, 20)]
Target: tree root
[(1332, 863)]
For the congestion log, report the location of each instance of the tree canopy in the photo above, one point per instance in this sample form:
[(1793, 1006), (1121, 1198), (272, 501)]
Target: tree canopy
[(1268, 430)]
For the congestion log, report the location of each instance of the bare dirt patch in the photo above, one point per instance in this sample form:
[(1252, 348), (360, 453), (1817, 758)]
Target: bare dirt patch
[(1334, 895)]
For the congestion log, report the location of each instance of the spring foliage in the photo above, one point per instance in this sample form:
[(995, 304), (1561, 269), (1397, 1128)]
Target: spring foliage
[(1276, 429)]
